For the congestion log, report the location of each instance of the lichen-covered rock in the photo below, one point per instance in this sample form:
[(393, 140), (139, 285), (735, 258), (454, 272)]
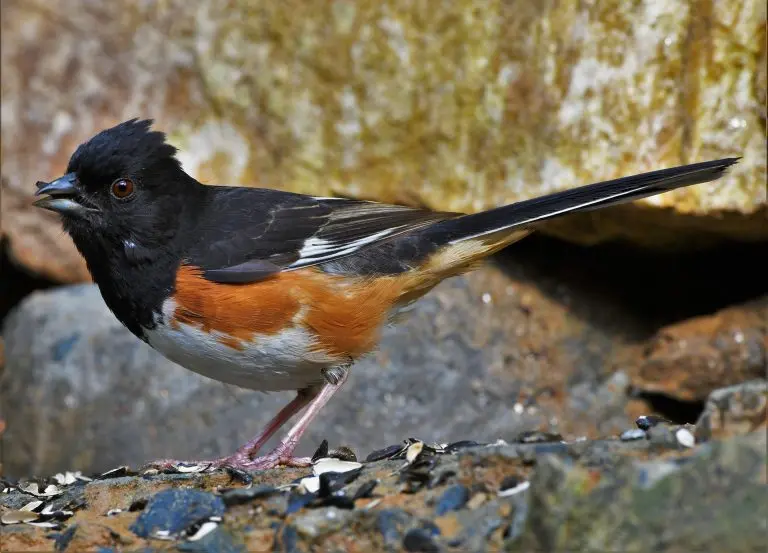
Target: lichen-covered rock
[(658, 505), (456, 105)]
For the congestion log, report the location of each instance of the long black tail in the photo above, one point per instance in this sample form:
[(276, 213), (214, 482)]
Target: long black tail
[(524, 214)]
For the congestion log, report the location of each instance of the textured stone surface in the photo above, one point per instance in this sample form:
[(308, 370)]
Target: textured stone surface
[(688, 360), (482, 357), (601, 495), (456, 105), (652, 506), (735, 410)]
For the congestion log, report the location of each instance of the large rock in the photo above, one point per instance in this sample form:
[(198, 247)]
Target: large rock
[(690, 359), (450, 104), (712, 501), (605, 495), (481, 357)]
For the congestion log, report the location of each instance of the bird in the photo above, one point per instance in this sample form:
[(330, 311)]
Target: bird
[(272, 290)]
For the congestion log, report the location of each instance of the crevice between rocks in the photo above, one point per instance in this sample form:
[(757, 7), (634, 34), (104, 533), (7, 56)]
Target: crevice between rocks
[(16, 282), (673, 409), (647, 289)]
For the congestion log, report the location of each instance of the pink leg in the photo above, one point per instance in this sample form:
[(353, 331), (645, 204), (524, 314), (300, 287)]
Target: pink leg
[(303, 397), (283, 454)]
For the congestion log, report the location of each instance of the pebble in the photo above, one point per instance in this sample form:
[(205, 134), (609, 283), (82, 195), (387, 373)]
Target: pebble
[(419, 540), (453, 499), (173, 511), (390, 522), (318, 522)]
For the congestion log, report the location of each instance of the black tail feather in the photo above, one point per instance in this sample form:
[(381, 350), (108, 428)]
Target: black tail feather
[(584, 198)]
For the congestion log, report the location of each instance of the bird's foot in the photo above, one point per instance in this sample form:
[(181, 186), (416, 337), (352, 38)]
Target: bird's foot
[(280, 456)]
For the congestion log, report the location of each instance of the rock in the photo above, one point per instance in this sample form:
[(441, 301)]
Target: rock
[(453, 499), (319, 522), (450, 105), (691, 359), (602, 495), (172, 512), (655, 505), (80, 393), (736, 410)]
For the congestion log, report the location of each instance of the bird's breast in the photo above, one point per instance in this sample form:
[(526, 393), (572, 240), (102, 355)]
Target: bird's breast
[(274, 334)]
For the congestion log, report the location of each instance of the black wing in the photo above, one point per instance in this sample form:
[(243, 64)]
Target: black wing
[(247, 234)]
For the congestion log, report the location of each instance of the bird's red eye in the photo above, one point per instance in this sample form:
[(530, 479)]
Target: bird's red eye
[(122, 188)]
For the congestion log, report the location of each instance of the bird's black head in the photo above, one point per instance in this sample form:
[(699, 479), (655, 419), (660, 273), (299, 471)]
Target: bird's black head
[(128, 206), (124, 191)]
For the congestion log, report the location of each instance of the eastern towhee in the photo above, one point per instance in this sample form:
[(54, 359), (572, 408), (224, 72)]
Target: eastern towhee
[(270, 290)]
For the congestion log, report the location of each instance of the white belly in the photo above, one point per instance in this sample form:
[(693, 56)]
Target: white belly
[(282, 361)]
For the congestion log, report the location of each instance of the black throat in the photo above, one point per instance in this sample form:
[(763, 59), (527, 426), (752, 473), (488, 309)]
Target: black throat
[(135, 278), (133, 281)]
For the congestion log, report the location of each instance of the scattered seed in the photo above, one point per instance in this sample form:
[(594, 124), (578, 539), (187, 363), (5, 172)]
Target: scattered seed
[(65, 478), (116, 473), (458, 446), (343, 453), (163, 535), (113, 512), (321, 452), (365, 490), (18, 517), (205, 529), (240, 475), (633, 434), (512, 485), (413, 451), (245, 495), (34, 489), (329, 464), (44, 524), (310, 484), (685, 437), (537, 436), (51, 511), (32, 505), (185, 468), (388, 452), (644, 422)]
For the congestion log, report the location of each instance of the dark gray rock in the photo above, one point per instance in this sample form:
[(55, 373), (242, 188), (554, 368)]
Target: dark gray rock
[(482, 357)]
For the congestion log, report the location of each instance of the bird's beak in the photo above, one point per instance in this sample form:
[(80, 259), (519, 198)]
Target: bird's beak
[(62, 196)]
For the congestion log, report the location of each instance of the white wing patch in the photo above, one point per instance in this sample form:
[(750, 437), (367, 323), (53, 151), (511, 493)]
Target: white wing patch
[(320, 249)]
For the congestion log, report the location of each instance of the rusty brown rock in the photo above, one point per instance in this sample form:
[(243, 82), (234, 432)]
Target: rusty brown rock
[(691, 359), (452, 105)]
